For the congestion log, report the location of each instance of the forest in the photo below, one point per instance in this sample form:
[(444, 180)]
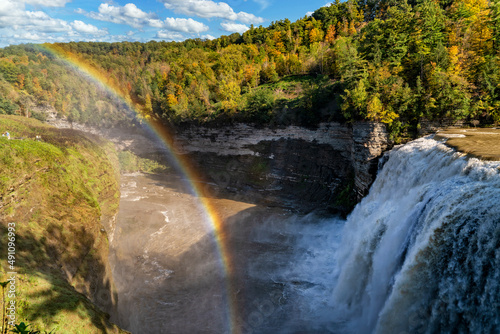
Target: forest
[(396, 62)]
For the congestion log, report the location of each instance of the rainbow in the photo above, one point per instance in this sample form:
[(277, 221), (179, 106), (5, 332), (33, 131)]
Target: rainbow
[(182, 164)]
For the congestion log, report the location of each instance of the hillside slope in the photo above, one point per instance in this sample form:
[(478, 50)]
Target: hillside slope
[(56, 193)]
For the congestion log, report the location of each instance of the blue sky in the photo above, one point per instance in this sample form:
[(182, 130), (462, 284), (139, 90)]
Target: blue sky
[(39, 21)]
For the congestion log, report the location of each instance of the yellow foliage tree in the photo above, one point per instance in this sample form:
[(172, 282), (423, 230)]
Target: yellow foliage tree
[(471, 35), (454, 59), (315, 35), (229, 92), (250, 75), (171, 100), (148, 106), (20, 81), (330, 34), (377, 112), (352, 29)]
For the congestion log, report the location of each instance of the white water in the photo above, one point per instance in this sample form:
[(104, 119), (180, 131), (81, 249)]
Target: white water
[(419, 254)]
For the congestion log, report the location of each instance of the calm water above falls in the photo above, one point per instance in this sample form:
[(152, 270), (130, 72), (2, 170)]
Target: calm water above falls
[(420, 254)]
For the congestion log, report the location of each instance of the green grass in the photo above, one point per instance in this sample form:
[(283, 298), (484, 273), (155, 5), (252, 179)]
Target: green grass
[(56, 191)]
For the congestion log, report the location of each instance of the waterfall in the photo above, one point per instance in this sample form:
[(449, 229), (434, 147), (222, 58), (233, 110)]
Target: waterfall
[(421, 253)]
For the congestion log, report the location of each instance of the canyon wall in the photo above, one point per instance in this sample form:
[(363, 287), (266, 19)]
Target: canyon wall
[(329, 167)]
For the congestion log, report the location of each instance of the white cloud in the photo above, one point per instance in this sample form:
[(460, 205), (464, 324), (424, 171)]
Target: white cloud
[(263, 3), (85, 28), (9, 8), (29, 36), (155, 23), (185, 25), (234, 27), (18, 25), (131, 10), (13, 15), (10, 12), (169, 35), (129, 14), (249, 18), (209, 9), (207, 36), (48, 3), (42, 22)]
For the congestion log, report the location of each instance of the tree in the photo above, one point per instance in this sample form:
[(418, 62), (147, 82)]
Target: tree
[(448, 95), (74, 115), (9, 71), (330, 34), (229, 93), (494, 22), (315, 35), (376, 111), (268, 72), (388, 39), (148, 106), (259, 104), (348, 65), (7, 107), (355, 101)]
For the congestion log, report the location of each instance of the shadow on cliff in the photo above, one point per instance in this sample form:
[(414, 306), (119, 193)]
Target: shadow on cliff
[(46, 263), (309, 197), (292, 174)]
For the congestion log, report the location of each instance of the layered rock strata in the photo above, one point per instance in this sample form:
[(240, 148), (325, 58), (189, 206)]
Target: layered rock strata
[(296, 167)]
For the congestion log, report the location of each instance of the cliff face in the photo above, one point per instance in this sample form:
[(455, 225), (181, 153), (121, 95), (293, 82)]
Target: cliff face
[(307, 169), (370, 140), (328, 168)]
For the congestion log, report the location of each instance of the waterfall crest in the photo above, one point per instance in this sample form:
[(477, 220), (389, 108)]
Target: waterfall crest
[(421, 253)]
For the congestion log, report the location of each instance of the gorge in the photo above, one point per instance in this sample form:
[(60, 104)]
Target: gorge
[(418, 254), (251, 182), (162, 251)]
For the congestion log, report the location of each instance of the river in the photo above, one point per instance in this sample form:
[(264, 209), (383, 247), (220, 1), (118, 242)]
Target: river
[(167, 269)]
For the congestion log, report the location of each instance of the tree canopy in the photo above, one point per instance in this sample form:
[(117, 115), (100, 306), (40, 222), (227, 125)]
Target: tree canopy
[(396, 62)]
